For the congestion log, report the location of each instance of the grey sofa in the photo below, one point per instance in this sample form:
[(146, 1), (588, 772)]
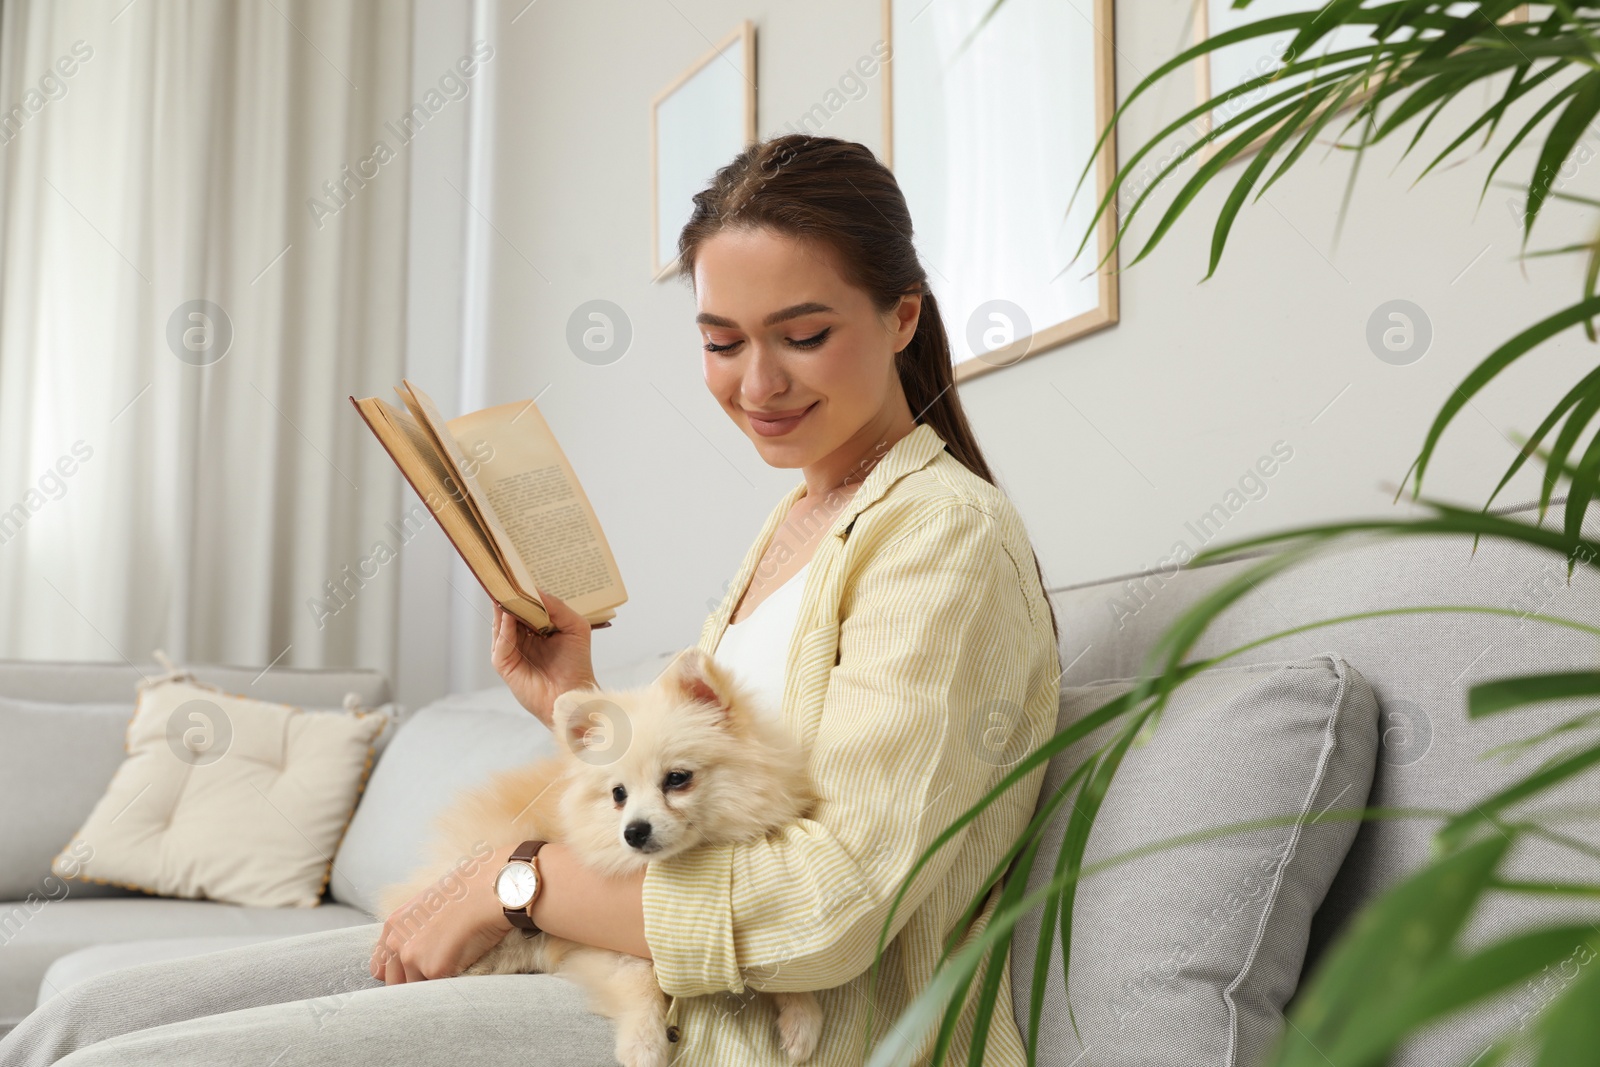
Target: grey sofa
[(57, 932), (50, 920), (1419, 666)]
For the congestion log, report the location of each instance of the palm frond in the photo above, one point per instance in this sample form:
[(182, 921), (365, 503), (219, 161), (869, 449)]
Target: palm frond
[(1401, 965)]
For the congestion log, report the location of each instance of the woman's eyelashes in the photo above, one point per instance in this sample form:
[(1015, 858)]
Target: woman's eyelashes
[(813, 341), (797, 342)]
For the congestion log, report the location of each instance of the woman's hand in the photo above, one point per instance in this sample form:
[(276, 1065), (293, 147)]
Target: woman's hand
[(437, 934), (539, 669)]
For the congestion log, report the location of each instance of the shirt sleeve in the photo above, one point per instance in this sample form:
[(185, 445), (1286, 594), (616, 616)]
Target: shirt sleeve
[(932, 639)]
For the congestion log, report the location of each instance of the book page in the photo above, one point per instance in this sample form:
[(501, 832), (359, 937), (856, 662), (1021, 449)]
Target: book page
[(466, 469), (441, 490), (537, 498), (413, 451)]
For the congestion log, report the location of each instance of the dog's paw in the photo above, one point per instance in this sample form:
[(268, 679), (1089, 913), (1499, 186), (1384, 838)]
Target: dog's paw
[(514, 955), (799, 1027)]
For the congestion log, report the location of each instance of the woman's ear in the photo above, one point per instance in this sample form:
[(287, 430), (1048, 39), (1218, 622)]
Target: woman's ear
[(903, 319)]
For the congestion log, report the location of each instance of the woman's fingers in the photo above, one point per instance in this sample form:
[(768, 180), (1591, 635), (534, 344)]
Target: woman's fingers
[(562, 617), (552, 607), (497, 647), (507, 649), (396, 968), (383, 957), (413, 973)]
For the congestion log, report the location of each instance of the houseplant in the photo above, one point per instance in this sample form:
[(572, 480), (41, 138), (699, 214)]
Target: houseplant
[(1374, 986)]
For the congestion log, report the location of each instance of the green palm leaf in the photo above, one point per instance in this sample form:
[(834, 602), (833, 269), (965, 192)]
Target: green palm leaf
[(1399, 966), (1425, 914), (1503, 694), (1569, 1030), (1454, 983)]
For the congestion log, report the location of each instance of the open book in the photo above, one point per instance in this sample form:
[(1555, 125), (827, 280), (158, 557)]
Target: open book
[(503, 492)]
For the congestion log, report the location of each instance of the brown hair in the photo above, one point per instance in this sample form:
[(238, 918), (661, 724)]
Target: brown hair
[(837, 192)]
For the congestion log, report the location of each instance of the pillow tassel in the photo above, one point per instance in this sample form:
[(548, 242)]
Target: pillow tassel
[(171, 672)]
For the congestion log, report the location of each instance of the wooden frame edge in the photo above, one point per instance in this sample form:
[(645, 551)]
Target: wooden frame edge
[(1107, 311), (745, 32)]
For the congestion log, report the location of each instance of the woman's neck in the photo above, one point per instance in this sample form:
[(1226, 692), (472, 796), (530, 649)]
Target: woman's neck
[(844, 469)]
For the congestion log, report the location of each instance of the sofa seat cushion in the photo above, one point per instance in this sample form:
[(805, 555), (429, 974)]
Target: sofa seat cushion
[(98, 959), (36, 935), (1188, 954)]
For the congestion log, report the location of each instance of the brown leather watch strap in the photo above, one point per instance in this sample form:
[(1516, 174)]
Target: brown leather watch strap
[(519, 917)]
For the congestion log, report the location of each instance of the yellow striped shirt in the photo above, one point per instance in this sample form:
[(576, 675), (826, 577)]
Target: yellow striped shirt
[(921, 669)]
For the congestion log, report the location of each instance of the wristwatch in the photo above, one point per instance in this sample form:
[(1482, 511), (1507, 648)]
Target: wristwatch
[(518, 884)]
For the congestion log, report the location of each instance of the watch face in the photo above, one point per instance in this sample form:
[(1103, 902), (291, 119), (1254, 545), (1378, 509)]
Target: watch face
[(516, 884)]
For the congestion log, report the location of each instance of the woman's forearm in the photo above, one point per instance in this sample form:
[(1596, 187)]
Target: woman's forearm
[(592, 909)]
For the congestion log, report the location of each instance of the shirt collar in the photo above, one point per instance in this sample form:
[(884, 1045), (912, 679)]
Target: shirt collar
[(911, 453)]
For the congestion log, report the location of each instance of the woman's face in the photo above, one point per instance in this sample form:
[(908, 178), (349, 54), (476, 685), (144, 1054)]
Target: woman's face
[(798, 358)]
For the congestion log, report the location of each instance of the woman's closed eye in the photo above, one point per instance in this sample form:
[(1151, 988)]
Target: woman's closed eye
[(798, 342)]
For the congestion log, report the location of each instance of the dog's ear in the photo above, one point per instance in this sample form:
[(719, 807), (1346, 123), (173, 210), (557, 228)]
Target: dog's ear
[(695, 676), (573, 715)]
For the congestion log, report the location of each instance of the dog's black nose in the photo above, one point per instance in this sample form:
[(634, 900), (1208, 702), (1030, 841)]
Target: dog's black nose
[(636, 833)]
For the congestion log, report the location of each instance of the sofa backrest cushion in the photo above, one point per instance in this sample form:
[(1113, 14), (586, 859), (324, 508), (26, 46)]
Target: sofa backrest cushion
[(1421, 666), (443, 748), (65, 725), (226, 798), (55, 763), (1188, 954), (115, 683)]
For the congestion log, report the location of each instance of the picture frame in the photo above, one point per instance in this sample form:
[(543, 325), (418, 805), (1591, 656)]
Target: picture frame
[(988, 185), (698, 123), (1246, 59)]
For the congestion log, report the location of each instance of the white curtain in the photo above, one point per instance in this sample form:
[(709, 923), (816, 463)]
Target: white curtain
[(156, 490)]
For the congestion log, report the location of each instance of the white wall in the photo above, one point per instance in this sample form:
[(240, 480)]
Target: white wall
[(1194, 385)]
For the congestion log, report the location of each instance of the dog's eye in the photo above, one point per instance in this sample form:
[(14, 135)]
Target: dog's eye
[(678, 779), (619, 794)]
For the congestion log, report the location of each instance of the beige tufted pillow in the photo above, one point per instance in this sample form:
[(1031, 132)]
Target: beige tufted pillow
[(226, 798)]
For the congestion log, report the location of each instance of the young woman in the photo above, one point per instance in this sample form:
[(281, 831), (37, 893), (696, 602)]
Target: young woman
[(891, 610)]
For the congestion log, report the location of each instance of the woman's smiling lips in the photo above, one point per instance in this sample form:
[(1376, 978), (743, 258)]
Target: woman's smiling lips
[(777, 423)]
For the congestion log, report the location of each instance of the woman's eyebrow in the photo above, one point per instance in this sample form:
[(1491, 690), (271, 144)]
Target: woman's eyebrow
[(810, 307)]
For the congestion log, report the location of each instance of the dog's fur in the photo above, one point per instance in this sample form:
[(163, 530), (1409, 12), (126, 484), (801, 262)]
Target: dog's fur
[(747, 778)]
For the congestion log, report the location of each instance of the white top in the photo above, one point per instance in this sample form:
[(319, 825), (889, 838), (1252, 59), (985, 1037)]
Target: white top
[(756, 649)]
